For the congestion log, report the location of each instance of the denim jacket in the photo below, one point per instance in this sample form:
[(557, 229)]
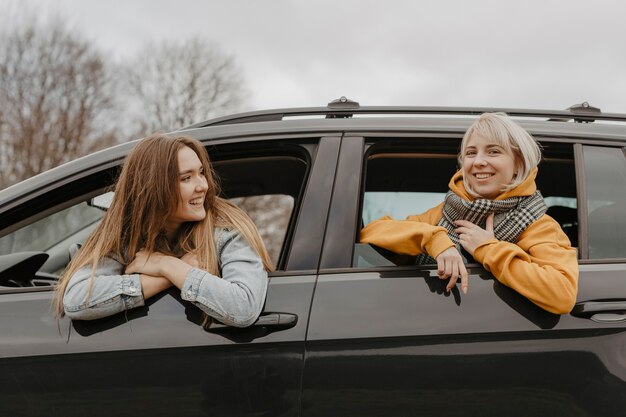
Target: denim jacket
[(235, 299)]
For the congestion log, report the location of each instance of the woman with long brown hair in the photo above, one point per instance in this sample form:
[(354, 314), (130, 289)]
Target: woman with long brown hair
[(168, 226)]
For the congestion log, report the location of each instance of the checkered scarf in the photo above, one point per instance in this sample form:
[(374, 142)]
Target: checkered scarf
[(512, 216)]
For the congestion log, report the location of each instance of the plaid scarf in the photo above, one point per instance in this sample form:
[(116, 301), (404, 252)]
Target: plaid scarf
[(512, 216)]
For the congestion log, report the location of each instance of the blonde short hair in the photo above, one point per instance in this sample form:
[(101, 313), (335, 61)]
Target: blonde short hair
[(512, 138)]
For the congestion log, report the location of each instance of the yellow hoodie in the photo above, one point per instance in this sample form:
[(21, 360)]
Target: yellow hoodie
[(541, 265)]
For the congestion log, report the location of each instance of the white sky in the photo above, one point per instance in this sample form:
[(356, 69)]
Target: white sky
[(546, 54)]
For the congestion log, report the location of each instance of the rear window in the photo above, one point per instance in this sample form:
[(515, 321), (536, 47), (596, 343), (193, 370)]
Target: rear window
[(605, 176)]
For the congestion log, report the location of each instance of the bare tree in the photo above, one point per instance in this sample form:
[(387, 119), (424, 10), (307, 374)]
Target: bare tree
[(55, 95), (178, 83), (271, 214)]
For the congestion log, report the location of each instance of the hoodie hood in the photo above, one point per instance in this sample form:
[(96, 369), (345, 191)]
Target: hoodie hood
[(526, 188)]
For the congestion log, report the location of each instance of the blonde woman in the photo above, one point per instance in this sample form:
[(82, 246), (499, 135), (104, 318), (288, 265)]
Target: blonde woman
[(167, 226), (494, 211)]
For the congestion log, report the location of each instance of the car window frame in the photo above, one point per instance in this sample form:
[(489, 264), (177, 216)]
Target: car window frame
[(583, 214), (80, 186), (576, 154)]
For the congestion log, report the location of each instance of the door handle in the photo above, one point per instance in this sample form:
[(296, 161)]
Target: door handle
[(609, 311), (271, 321), (278, 321)]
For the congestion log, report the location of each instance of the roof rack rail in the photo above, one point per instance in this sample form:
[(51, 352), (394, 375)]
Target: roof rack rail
[(579, 110), (345, 108), (342, 103)]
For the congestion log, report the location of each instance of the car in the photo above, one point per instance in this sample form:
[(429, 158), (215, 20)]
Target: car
[(347, 328)]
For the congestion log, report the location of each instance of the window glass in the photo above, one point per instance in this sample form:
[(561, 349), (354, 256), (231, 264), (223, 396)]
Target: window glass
[(411, 180), (605, 175), (271, 214), (56, 233), (398, 205), (266, 187), (400, 184), (50, 231), (569, 202)]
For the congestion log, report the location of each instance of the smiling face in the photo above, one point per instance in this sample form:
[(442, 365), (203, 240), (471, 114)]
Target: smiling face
[(193, 187), (487, 166)]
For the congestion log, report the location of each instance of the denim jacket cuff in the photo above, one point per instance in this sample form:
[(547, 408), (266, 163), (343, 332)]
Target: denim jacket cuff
[(191, 286), (131, 290)]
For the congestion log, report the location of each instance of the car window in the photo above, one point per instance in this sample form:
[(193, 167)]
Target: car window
[(411, 181), (398, 205), (400, 182), (271, 214), (50, 231), (605, 176), (55, 235), (268, 188)]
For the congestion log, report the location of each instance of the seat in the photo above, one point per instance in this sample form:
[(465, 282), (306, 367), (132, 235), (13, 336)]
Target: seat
[(567, 217)]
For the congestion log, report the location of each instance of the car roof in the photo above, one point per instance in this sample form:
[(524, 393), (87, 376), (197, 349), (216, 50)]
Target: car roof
[(400, 124), (343, 116), (578, 121), (346, 108)]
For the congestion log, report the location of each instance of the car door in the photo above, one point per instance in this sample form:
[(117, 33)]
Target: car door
[(388, 340), (158, 360)]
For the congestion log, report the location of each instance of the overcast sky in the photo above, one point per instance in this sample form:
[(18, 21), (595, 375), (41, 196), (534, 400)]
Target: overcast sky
[(546, 54)]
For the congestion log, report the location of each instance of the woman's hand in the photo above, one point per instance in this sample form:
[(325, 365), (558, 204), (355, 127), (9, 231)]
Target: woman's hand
[(450, 265), (158, 264), (472, 236), (147, 263)]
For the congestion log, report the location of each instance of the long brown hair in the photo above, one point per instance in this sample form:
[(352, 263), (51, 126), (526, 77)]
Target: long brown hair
[(146, 194)]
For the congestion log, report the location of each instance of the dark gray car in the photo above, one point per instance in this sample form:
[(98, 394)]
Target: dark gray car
[(347, 329)]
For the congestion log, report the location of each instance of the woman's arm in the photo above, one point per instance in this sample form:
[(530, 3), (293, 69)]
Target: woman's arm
[(416, 235), (235, 299), (413, 236), (541, 265), (109, 292), (151, 285)]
